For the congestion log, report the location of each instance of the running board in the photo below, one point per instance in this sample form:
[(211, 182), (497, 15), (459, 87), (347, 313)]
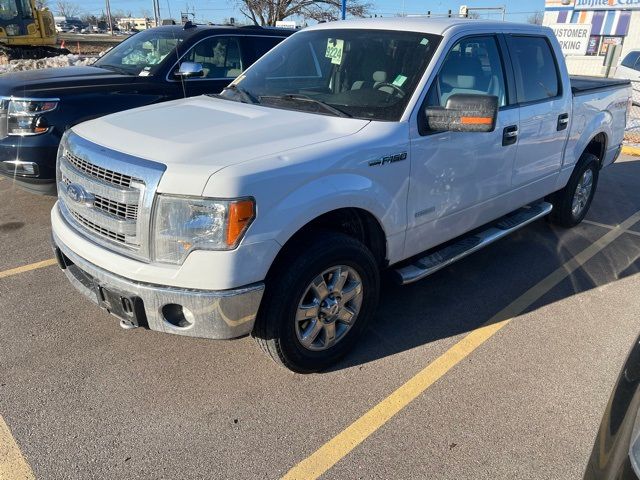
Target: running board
[(466, 245)]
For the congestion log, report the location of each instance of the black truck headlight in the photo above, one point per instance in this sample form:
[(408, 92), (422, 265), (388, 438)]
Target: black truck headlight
[(26, 116)]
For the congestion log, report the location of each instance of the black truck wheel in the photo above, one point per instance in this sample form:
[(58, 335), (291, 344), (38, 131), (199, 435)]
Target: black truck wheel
[(571, 204), (317, 302)]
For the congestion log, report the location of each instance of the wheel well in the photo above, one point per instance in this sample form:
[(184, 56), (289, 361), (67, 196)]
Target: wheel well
[(598, 147), (354, 222)]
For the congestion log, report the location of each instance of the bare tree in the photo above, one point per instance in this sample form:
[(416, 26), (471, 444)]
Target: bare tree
[(268, 12), (536, 18), (41, 4), (67, 9)]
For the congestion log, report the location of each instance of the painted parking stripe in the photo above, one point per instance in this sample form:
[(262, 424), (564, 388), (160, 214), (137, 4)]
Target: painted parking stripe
[(13, 465), (601, 225), (344, 442), (28, 268)]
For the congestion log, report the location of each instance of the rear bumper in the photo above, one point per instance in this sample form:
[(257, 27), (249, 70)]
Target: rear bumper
[(222, 314)]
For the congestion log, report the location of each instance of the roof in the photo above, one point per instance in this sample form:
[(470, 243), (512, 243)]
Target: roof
[(433, 25), (198, 28)]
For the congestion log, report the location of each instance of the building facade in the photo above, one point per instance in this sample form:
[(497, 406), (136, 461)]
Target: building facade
[(135, 23), (613, 22)]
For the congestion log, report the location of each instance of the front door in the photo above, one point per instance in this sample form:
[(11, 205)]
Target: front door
[(456, 176), (222, 61)]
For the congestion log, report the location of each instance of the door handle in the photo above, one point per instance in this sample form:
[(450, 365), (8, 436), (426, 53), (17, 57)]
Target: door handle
[(563, 122), (510, 135)]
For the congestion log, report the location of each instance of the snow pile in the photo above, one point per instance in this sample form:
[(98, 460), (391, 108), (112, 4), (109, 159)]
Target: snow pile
[(52, 62)]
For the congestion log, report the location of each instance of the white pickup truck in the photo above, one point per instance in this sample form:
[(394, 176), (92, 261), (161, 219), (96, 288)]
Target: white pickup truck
[(350, 149)]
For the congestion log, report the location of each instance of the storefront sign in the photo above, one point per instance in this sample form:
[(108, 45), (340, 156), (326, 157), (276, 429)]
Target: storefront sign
[(573, 37), (607, 42), (606, 4)]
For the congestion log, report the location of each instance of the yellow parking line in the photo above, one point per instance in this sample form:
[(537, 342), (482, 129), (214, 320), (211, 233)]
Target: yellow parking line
[(631, 150), (344, 442), (28, 268), (13, 466), (598, 224)]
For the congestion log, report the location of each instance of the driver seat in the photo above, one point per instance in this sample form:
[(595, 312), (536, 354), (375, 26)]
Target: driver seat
[(378, 77)]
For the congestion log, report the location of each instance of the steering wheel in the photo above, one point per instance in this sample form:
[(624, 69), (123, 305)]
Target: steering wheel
[(397, 89)]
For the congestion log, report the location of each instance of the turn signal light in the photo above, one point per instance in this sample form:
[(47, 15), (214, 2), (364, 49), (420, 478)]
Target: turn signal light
[(241, 214)]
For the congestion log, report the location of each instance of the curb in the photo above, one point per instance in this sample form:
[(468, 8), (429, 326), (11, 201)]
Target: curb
[(628, 150)]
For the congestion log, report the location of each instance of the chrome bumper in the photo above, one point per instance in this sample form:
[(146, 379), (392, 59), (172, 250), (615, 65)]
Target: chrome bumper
[(197, 313)]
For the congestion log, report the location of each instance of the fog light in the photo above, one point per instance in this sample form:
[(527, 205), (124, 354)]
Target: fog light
[(18, 167), (177, 315)]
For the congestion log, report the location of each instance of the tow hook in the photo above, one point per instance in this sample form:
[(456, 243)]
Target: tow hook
[(127, 325)]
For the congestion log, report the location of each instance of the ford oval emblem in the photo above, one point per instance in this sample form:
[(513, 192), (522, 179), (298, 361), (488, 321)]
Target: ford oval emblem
[(78, 194)]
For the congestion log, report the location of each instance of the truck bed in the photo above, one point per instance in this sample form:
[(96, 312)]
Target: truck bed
[(581, 85)]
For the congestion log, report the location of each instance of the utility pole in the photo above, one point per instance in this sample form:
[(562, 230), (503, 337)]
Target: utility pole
[(109, 18), (156, 12), (344, 10)]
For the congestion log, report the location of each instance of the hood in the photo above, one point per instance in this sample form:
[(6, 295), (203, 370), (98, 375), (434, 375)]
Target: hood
[(53, 81), (199, 136)]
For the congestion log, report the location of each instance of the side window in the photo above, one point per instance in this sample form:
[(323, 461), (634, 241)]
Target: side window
[(535, 69), (304, 63), (472, 66), (258, 46), (631, 60), (220, 57)]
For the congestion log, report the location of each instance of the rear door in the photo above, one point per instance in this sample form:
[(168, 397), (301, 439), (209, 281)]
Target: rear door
[(544, 114)]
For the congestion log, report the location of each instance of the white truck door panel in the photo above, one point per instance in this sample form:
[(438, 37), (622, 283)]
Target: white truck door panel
[(453, 173), (544, 111)]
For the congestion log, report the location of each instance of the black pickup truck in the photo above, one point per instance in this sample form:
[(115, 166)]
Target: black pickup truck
[(164, 63)]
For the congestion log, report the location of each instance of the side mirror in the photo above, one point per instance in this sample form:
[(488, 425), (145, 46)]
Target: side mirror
[(190, 70), (464, 113)]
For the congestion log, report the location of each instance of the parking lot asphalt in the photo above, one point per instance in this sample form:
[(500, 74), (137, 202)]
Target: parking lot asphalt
[(432, 391)]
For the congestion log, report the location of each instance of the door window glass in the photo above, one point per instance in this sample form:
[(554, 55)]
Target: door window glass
[(535, 69), (631, 60), (472, 66), (219, 57), (8, 9), (261, 45)]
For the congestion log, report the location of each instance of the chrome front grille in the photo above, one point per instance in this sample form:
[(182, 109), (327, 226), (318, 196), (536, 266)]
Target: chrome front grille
[(130, 212), (98, 229), (107, 195), (112, 207), (105, 174)]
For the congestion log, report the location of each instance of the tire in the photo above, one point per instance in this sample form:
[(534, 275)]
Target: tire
[(566, 212), (305, 345)]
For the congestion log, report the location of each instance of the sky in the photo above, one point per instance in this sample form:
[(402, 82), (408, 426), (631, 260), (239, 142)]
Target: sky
[(218, 10)]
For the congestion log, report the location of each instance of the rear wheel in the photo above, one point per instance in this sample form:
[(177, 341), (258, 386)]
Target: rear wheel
[(571, 204), (318, 301)]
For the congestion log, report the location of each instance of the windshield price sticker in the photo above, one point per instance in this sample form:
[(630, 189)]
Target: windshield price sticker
[(399, 81), (335, 47)]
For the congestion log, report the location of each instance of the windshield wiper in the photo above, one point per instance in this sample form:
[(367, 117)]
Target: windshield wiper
[(305, 98), (246, 96)]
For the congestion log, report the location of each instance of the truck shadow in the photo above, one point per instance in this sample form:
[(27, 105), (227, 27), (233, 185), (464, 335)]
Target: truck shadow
[(470, 293)]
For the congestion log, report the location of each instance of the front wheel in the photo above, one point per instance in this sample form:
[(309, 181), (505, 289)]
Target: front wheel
[(571, 204), (318, 301)]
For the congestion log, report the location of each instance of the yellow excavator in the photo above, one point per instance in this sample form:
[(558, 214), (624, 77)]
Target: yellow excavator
[(27, 31)]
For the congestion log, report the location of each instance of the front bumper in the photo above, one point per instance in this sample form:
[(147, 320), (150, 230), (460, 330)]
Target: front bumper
[(39, 150), (221, 314)]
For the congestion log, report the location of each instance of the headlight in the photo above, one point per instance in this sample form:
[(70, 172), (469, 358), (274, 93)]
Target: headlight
[(25, 116), (184, 224)]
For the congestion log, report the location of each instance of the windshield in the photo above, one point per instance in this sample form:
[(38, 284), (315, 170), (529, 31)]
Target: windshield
[(368, 74), (141, 54)]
